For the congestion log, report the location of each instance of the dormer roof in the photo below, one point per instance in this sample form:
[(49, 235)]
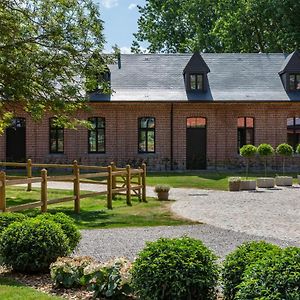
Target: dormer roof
[(291, 63), (196, 65)]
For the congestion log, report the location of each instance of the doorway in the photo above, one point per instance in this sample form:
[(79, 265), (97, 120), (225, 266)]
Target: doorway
[(196, 143), (16, 140)]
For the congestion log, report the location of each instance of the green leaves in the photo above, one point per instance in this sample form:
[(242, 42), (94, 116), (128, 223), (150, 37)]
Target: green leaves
[(49, 51), (219, 26), (179, 268)]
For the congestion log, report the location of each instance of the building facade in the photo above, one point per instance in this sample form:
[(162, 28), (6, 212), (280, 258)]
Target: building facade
[(174, 111)]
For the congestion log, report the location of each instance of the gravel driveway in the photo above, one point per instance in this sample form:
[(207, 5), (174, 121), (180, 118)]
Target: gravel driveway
[(230, 218)]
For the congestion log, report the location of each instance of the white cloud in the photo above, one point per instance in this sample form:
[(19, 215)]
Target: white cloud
[(109, 3), (125, 50), (132, 6)]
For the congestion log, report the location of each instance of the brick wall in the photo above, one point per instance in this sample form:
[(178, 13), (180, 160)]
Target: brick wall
[(122, 133)]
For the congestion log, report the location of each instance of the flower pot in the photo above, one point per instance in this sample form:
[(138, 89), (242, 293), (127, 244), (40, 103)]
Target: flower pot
[(234, 186), (284, 180), (163, 195), (265, 182), (247, 185)]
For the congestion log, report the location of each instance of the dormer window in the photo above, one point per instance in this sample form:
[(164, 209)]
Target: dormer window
[(196, 82), (294, 82), (195, 74)]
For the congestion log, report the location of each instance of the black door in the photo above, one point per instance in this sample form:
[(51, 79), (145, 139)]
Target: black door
[(196, 144), (16, 141)]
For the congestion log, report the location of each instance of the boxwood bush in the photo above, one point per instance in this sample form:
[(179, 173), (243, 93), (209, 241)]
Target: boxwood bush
[(237, 261), (32, 245), (179, 268), (8, 218), (67, 225), (274, 277)]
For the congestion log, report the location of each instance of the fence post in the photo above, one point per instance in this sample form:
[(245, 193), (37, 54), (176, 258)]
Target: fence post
[(128, 185), (109, 187), (2, 191), (139, 183), (114, 180), (29, 174), (76, 187), (144, 198), (44, 194)]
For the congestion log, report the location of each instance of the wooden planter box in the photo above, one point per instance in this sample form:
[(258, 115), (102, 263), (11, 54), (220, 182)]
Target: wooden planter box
[(163, 195), (265, 182), (284, 180), (234, 186), (247, 185)]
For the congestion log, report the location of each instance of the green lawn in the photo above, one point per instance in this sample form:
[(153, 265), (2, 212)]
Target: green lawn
[(94, 213), (202, 179), (13, 290)]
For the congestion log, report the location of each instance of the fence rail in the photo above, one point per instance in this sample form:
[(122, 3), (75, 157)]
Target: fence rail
[(117, 181)]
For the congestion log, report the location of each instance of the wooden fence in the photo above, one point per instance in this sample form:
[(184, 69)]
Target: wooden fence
[(125, 181)]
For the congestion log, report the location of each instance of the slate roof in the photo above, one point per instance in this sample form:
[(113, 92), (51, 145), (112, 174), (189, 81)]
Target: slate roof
[(232, 77)]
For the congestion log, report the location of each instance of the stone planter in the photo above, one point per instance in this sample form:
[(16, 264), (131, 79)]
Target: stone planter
[(265, 182), (284, 180), (247, 185), (163, 195), (234, 186)]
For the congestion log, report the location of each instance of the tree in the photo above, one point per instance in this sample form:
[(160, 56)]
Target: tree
[(176, 25), (265, 150), (50, 55), (284, 150), (258, 25), (219, 26), (248, 151)]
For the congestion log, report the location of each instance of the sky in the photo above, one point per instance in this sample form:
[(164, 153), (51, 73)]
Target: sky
[(120, 22)]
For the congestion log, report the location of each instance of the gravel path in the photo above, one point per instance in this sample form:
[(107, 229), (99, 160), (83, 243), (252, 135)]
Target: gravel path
[(104, 244), (230, 218)]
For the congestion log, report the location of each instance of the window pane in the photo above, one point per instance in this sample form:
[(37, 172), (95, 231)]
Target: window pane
[(292, 82), (249, 136), (143, 122), (195, 122), (290, 121), (193, 82), (298, 82), (142, 141), (92, 141), (199, 82), (241, 122), (100, 123), (297, 121), (60, 140), (249, 122), (151, 141), (101, 140)]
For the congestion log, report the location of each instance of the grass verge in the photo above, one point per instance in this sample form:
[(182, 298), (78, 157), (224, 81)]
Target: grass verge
[(13, 290), (94, 213)]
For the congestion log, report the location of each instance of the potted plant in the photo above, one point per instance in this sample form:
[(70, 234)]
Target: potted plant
[(265, 150), (284, 150), (162, 191), (234, 184), (248, 151)]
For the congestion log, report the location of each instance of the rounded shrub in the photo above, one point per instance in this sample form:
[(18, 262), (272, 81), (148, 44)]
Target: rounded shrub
[(179, 268), (237, 261), (265, 150), (8, 218), (67, 225), (248, 151), (274, 277), (284, 150), (298, 149), (32, 245)]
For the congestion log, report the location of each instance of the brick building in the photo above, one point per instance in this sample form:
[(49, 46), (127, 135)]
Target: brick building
[(176, 111)]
